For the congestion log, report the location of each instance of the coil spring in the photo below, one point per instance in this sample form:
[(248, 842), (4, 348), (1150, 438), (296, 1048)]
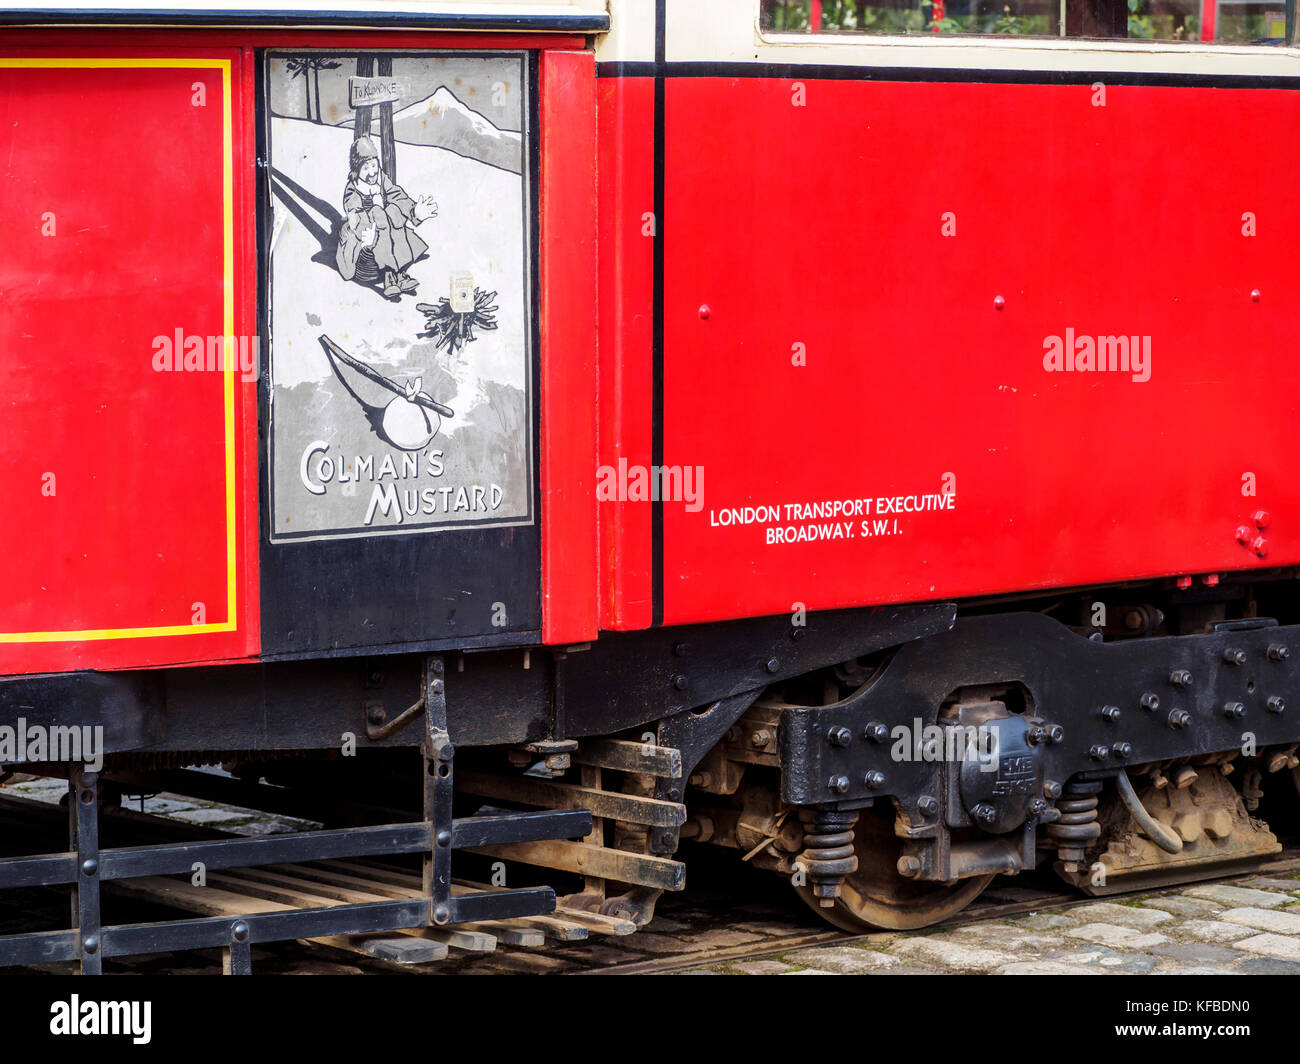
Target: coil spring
[(1078, 824), (828, 854)]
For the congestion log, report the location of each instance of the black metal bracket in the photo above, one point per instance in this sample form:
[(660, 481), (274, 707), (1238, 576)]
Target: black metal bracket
[(1093, 707), (85, 865)]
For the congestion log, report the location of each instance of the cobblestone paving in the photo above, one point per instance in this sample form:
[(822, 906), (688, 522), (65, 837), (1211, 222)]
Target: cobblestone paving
[(1248, 927)]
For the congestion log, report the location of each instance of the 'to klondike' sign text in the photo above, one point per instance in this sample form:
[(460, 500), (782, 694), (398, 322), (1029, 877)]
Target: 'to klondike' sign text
[(364, 92)]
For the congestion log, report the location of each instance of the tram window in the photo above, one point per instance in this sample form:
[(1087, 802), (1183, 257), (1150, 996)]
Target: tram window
[(1202, 21)]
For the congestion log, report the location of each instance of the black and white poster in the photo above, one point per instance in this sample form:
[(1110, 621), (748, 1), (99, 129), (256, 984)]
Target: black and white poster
[(399, 307)]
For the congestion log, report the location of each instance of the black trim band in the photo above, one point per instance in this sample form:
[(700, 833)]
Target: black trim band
[(817, 72), (657, 319), (576, 23)]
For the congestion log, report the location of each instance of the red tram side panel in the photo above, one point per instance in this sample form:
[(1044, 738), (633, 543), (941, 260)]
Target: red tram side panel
[(868, 297), (129, 476)]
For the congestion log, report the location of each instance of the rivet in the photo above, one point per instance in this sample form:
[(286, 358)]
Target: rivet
[(875, 732), (444, 838), (90, 944), (1254, 295), (772, 665), (999, 302), (239, 932), (89, 866), (1260, 546), (1261, 518), (705, 312), (680, 682), (441, 914), (1244, 534)]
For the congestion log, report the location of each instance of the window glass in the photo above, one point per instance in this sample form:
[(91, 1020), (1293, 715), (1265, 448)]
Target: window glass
[(1219, 21)]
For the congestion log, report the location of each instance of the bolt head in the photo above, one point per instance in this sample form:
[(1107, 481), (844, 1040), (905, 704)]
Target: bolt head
[(90, 944), (874, 779), (1150, 700), (1052, 789), (376, 714), (838, 784), (1180, 678), (1121, 751), (1099, 752), (680, 682), (909, 867), (1261, 518), (1178, 718), (927, 805), (772, 665), (444, 838), (1234, 710), (840, 736), (239, 932), (1234, 656), (441, 914), (1037, 805), (1110, 713), (437, 667), (1278, 652), (1277, 704), (89, 866), (875, 732), (1260, 546), (1055, 733)]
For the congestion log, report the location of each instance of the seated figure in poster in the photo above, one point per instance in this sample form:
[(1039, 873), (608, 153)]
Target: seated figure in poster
[(378, 239)]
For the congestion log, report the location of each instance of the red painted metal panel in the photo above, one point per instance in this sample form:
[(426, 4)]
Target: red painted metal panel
[(823, 226), (130, 490), (626, 256), (568, 328)]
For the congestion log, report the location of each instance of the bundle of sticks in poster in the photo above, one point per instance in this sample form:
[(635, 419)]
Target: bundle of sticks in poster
[(453, 329)]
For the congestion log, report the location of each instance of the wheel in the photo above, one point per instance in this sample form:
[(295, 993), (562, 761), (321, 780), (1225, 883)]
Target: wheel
[(876, 897)]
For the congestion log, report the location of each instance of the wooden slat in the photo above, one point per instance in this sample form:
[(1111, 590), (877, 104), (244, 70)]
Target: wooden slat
[(625, 756), (550, 794), (644, 870)]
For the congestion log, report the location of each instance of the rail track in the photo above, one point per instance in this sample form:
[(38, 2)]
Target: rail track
[(729, 914)]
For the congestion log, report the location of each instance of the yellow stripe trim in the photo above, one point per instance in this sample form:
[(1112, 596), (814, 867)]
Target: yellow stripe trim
[(228, 262)]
